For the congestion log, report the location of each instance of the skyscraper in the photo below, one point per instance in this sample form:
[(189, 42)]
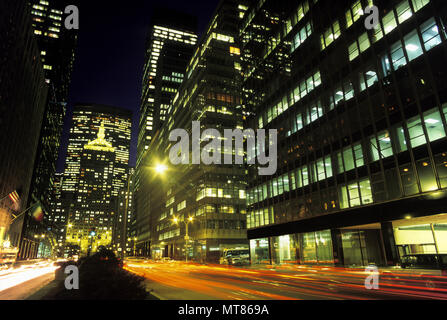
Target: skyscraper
[(361, 120), (57, 220), (98, 148), (123, 242), (23, 94), (57, 50), (90, 219), (208, 202), (170, 45)]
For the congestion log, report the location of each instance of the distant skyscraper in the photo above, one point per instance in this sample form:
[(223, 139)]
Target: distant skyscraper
[(57, 48), (106, 160), (170, 46), (56, 220), (123, 241), (90, 217), (23, 94)]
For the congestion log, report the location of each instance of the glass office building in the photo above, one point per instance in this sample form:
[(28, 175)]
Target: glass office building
[(213, 196), (361, 120), (96, 169), (170, 44)]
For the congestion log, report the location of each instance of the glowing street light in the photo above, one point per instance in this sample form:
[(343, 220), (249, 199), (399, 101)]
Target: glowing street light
[(186, 222), (161, 168)]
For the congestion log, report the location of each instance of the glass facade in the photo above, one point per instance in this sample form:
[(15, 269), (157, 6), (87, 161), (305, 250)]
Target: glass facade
[(361, 120), (213, 195)]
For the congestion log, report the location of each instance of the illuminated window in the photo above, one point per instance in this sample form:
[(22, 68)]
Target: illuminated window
[(389, 22), (397, 55), (381, 148), (419, 4), (330, 35), (430, 34), (301, 36), (353, 51), (403, 11), (181, 205), (235, 50), (416, 132), (354, 13), (355, 194), (433, 123), (413, 45)]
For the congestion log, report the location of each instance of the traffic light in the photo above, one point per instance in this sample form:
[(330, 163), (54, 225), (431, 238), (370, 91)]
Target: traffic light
[(93, 232)]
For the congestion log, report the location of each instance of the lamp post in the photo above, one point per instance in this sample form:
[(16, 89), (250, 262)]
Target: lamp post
[(126, 208), (186, 222), (92, 235)]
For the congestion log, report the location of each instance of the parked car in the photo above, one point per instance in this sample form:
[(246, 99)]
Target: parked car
[(425, 261)]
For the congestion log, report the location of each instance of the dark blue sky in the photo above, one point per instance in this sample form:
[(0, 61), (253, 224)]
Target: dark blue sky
[(110, 54)]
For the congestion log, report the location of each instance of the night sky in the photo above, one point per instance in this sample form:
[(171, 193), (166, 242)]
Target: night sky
[(110, 54)]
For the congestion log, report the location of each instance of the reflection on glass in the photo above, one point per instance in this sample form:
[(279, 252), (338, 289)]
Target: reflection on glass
[(433, 123), (430, 34), (426, 176), (413, 45), (416, 132), (397, 55), (389, 22)]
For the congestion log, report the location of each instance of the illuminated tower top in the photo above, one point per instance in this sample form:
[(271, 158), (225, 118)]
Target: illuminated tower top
[(100, 143)]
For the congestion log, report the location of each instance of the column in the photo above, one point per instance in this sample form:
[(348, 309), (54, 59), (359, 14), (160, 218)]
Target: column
[(337, 248), (389, 243)]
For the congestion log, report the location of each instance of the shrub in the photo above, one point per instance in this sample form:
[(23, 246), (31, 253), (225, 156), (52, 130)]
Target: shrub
[(101, 277)]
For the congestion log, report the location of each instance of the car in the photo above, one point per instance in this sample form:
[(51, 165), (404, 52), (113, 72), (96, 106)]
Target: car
[(235, 257), (424, 261)]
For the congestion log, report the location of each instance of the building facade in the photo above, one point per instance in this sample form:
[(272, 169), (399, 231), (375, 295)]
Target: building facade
[(171, 41), (85, 161), (361, 120), (123, 242), (90, 219), (22, 85), (57, 49), (196, 210)]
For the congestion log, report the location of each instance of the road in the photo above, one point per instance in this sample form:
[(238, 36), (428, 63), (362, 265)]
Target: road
[(189, 281), (21, 283)]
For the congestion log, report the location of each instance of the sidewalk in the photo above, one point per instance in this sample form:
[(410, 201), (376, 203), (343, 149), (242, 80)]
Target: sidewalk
[(394, 270), (47, 292)]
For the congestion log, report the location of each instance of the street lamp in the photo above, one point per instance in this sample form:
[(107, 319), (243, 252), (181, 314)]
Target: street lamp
[(161, 168), (186, 222)]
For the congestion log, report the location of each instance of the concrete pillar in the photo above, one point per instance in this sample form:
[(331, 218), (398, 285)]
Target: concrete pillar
[(337, 248), (389, 243)]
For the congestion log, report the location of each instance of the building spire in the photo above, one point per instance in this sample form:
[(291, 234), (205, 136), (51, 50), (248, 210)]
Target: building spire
[(102, 132), (100, 143)]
